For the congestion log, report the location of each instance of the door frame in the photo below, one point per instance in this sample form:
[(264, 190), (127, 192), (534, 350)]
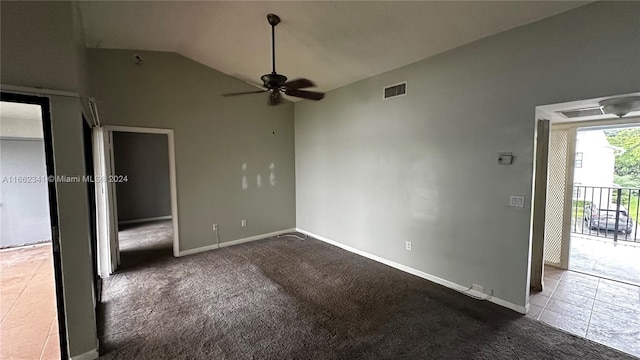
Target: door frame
[(538, 208), (172, 172), (45, 106), (87, 137)]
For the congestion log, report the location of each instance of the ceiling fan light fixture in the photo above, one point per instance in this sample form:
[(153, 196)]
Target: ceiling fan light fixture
[(621, 106)]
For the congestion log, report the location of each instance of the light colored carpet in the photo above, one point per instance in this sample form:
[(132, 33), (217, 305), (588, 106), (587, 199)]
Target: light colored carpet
[(285, 298)]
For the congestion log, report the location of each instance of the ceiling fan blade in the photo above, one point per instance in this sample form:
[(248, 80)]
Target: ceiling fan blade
[(244, 93), (275, 99), (311, 95), (299, 84)]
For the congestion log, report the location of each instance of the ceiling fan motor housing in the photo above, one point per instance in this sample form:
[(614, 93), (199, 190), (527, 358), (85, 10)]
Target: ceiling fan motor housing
[(272, 81)]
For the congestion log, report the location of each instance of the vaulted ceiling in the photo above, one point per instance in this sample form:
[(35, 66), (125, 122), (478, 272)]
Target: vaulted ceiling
[(332, 43)]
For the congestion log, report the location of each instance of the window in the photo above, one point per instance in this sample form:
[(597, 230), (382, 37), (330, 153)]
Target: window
[(579, 159)]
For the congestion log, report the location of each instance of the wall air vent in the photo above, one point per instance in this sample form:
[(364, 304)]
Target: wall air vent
[(582, 112), (395, 90)]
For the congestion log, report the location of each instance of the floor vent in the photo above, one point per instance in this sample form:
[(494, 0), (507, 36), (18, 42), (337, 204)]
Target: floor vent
[(395, 90)]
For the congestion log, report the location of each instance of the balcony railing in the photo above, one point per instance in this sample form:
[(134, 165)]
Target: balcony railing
[(606, 212)]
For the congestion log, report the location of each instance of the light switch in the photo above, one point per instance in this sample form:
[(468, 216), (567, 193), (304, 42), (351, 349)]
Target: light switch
[(505, 158)]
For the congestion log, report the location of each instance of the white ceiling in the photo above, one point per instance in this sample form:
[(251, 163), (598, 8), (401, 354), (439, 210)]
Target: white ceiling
[(19, 120), (332, 43)]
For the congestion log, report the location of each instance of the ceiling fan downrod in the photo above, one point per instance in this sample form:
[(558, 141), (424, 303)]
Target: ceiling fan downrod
[(273, 21)]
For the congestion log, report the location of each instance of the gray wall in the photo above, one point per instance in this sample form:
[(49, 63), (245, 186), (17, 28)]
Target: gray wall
[(144, 159), (40, 46), (373, 174), (24, 206), (221, 143)]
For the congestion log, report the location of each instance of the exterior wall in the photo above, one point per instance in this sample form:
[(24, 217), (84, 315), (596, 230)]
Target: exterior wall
[(598, 159), (24, 214)]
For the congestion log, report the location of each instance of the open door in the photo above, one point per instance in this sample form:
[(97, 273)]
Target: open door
[(107, 217)]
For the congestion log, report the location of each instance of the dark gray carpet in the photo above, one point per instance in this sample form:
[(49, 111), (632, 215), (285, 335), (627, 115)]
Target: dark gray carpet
[(285, 298)]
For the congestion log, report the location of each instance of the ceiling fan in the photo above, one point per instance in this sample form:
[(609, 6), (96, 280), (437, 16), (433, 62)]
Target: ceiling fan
[(277, 84)]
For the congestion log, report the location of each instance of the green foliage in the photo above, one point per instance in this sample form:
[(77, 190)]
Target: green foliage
[(577, 209), (627, 165), (633, 208), (626, 181)]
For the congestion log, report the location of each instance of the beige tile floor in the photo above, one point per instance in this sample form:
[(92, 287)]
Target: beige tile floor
[(598, 309), (29, 326)]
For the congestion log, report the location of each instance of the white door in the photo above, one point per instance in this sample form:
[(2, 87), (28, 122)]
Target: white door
[(106, 212)]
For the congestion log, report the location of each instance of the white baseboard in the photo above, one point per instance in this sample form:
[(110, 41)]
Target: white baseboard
[(89, 355), (234, 242), (137, 221), (21, 247), (435, 279), (198, 250)]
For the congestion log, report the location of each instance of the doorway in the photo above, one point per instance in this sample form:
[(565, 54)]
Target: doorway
[(578, 164), (137, 207), (32, 307), (141, 162), (592, 198), (604, 236), (583, 195)]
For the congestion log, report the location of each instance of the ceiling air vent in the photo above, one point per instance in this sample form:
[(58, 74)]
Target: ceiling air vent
[(395, 90), (582, 112)]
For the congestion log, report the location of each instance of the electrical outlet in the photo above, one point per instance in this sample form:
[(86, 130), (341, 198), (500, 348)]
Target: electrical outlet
[(408, 245), (477, 287), (244, 222), (215, 227)]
